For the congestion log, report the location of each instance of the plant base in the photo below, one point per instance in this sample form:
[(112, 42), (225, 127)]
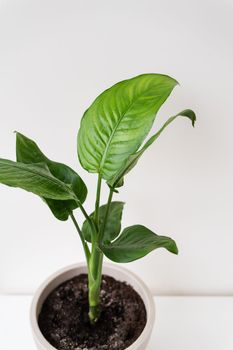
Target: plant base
[(118, 272), (64, 318)]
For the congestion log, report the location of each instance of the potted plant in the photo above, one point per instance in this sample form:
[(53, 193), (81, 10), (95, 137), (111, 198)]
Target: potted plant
[(86, 306)]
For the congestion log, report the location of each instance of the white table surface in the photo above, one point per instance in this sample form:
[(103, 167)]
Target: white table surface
[(182, 323)]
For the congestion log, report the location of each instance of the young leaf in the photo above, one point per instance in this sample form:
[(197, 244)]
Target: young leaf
[(28, 152), (113, 225), (135, 242), (117, 179), (35, 178), (118, 121)]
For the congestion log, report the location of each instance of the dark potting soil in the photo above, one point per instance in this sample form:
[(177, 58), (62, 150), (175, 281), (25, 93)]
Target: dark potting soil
[(64, 321)]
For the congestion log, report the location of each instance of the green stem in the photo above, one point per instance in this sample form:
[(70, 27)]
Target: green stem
[(97, 203), (85, 246), (94, 283), (101, 233), (87, 217), (95, 267), (95, 270)]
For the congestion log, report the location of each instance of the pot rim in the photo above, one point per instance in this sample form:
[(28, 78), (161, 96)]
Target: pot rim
[(147, 299)]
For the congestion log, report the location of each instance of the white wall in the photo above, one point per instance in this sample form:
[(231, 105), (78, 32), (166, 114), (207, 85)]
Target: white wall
[(55, 58)]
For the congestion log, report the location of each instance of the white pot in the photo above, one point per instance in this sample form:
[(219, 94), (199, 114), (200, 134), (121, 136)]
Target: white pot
[(113, 270)]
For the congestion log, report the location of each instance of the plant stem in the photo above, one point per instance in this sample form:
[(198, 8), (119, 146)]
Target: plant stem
[(85, 246), (101, 233), (97, 203), (87, 217), (94, 282), (95, 269)]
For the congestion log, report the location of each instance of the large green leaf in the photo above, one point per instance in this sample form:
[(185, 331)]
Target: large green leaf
[(28, 152), (113, 225), (135, 242), (118, 121), (117, 179), (35, 178)]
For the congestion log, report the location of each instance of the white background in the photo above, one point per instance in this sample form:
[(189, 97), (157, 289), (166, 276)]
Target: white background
[(55, 58)]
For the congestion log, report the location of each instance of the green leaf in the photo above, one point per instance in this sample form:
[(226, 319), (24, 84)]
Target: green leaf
[(113, 225), (135, 242), (28, 152), (118, 121), (35, 178), (117, 179)]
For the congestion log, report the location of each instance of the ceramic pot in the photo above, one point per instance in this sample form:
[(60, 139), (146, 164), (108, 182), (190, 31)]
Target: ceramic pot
[(112, 270)]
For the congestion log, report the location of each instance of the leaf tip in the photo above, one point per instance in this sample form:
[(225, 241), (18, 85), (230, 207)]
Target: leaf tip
[(17, 133), (189, 114), (193, 118), (174, 248)]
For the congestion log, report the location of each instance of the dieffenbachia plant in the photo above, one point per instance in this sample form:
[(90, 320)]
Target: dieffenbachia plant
[(110, 143)]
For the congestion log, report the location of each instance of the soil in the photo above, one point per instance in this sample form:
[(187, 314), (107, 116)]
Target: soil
[(64, 322)]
